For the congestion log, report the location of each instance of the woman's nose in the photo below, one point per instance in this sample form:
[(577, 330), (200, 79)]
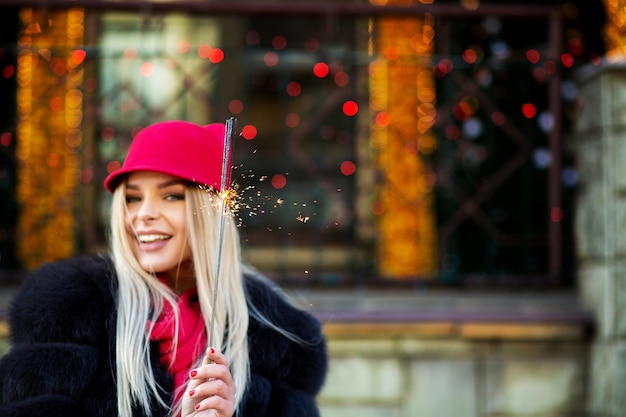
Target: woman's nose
[(148, 210)]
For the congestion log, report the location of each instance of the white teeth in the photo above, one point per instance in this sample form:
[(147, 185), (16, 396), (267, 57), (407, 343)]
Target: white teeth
[(151, 238)]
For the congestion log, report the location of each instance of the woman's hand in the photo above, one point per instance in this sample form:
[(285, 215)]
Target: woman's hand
[(211, 390)]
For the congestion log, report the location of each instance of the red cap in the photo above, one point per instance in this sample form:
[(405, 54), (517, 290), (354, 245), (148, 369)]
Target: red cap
[(182, 149)]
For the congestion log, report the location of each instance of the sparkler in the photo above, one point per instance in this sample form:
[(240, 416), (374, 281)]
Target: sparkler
[(231, 124)]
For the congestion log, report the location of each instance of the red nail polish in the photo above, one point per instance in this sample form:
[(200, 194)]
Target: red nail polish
[(212, 351), (193, 373), (192, 392), (197, 407)]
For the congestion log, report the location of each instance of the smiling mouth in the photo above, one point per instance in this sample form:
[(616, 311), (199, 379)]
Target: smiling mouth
[(152, 238)]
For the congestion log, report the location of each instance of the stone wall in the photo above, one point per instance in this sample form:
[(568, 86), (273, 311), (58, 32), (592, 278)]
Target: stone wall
[(452, 376), (454, 354), (600, 229)]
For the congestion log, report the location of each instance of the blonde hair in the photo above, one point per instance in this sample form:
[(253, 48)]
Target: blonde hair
[(141, 298)]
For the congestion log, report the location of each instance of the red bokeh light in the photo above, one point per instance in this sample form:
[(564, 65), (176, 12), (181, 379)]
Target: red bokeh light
[(378, 208), (279, 42), (235, 106), (392, 53), (533, 56), (249, 132), (350, 108), (113, 166), (107, 134), (294, 89), (347, 168), (56, 103), (183, 46), (567, 60), (147, 69), (556, 214), (216, 55), (270, 59), (469, 56), (321, 69), (452, 132), (342, 79), (6, 138), (292, 120), (130, 53), (204, 50), (8, 71), (78, 56), (529, 110), (311, 45), (498, 118), (279, 181), (383, 119)]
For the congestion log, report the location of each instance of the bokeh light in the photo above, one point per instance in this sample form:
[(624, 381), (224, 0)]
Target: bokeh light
[(183, 46), (533, 56), (78, 56), (8, 71), (347, 168), (249, 132), (204, 50), (147, 69), (350, 108), (292, 120), (311, 45), (107, 134), (270, 59), (279, 42), (342, 78), (113, 166), (556, 214), (529, 110), (279, 181), (235, 106), (6, 138), (321, 69), (216, 55), (293, 88), (469, 56), (382, 119)]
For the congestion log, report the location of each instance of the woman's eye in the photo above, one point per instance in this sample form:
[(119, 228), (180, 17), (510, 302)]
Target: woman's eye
[(175, 197), (132, 199)]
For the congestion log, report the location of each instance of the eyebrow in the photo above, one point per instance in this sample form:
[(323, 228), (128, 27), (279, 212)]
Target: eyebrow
[(159, 186)]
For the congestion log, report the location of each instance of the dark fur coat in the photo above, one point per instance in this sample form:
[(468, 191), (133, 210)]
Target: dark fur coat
[(63, 349)]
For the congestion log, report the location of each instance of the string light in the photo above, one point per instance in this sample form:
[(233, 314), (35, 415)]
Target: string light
[(48, 132), (402, 95)]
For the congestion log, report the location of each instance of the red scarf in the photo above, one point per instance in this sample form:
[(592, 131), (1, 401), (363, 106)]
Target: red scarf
[(191, 337)]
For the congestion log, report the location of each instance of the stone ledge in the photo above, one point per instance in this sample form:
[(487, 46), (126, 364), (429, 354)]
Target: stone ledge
[(475, 331), (450, 315)]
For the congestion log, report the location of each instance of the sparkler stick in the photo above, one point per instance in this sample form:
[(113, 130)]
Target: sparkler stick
[(225, 182)]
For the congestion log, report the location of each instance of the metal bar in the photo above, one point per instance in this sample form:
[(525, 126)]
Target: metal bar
[(554, 182), (223, 207), (307, 7)]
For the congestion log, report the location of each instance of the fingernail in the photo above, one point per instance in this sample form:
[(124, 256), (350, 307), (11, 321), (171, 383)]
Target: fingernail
[(212, 351), (192, 392), (193, 373), (197, 407)]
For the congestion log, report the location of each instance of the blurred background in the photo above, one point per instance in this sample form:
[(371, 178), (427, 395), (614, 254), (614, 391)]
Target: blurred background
[(440, 182)]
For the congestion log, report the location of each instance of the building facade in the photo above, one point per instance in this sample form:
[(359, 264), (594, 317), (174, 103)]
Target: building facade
[(437, 181)]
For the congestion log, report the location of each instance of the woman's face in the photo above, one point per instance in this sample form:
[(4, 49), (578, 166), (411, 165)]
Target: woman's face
[(156, 223)]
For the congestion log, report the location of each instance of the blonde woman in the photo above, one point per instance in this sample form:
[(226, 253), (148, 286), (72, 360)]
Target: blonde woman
[(126, 334)]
